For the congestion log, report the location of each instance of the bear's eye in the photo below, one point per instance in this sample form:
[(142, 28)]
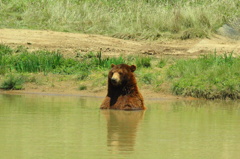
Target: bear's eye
[(120, 73)]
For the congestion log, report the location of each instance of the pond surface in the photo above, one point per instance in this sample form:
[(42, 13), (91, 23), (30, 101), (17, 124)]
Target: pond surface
[(52, 127)]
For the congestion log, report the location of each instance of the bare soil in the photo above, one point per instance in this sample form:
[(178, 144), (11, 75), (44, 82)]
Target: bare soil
[(70, 44)]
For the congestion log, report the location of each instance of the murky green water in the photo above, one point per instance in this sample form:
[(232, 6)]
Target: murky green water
[(52, 127)]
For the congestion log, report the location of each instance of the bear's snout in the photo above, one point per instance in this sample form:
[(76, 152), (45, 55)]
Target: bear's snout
[(115, 79)]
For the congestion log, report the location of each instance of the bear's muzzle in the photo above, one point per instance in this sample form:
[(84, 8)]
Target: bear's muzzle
[(115, 80)]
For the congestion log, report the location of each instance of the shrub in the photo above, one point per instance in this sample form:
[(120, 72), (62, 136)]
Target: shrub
[(40, 61), (82, 87), (147, 77), (5, 50), (13, 82), (210, 76), (82, 76), (106, 62), (143, 61), (162, 63)]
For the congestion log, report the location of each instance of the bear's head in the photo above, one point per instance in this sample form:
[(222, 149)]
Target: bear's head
[(121, 74)]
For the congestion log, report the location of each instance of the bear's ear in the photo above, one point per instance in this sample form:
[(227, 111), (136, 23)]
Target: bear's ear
[(112, 65), (133, 68)]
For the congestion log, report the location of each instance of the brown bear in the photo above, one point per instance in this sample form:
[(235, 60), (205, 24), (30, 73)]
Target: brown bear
[(123, 92)]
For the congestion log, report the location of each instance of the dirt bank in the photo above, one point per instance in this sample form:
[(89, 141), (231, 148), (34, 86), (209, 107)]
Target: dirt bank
[(69, 44)]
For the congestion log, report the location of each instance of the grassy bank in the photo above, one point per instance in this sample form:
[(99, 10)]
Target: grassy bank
[(210, 76), (128, 19), (89, 70)]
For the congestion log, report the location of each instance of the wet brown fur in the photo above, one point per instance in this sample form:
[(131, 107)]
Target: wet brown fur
[(124, 95)]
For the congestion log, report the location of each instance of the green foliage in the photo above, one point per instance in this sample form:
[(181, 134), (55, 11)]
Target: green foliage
[(210, 76), (194, 33), (13, 82), (82, 87), (40, 61), (70, 66), (147, 78), (5, 50), (82, 76), (45, 61), (161, 63), (143, 61), (106, 62), (121, 18), (21, 49)]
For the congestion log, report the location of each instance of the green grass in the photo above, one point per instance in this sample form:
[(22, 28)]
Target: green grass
[(5, 50), (41, 61), (127, 19), (143, 61), (148, 78), (82, 87), (210, 76), (162, 62), (106, 62), (13, 81), (45, 61), (82, 76)]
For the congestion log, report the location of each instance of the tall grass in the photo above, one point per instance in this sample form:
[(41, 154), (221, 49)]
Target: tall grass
[(106, 62), (13, 82), (128, 19), (45, 61), (143, 61), (5, 50), (41, 61), (211, 76)]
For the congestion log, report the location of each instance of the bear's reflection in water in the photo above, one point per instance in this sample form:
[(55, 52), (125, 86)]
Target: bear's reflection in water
[(122, 129)]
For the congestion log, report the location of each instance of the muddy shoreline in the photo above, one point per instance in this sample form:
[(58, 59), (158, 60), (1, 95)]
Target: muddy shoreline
[(148, 95), (69, 44)]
